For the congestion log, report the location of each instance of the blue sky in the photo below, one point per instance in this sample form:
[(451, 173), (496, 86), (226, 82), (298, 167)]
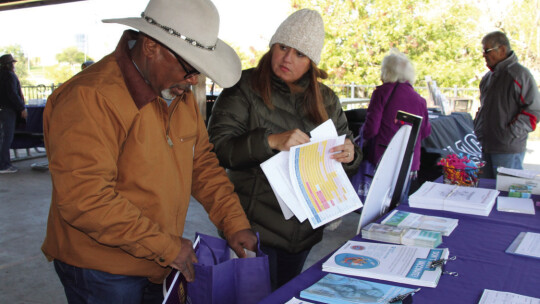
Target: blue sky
[(47, 30)]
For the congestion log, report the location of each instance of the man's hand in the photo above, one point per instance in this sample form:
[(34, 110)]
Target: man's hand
[(24, 113), (243, 239), (185, 259)]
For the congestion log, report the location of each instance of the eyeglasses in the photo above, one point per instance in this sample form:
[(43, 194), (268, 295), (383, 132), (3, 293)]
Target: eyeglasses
[(189, 73), (489, 50)]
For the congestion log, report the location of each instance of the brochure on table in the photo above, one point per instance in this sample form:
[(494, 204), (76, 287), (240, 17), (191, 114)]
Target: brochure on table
[(515, 204), (420, 221), (501, 297), (308, 183), (526, 244), (396, 263), (294, 300), (338, 289), (461, 199), (402, 235)]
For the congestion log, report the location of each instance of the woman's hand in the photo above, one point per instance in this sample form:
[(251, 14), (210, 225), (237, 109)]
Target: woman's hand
[(344, 153), (284, 141)]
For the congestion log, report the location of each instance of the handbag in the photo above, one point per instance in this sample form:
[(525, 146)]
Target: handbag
[(363, 178), (220, 277)]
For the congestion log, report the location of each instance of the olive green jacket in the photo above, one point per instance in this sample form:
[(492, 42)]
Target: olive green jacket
[(239, 127)]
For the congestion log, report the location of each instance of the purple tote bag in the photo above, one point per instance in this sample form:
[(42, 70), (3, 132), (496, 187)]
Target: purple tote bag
[(220, 278)]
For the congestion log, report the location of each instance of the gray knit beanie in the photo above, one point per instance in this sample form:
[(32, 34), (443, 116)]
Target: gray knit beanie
[(304, 31)]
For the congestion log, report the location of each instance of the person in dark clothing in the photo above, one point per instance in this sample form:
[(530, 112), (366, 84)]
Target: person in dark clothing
[(509, 106), (11, 106), (271, 109)]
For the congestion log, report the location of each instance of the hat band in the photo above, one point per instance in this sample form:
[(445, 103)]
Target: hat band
[(177, 34)]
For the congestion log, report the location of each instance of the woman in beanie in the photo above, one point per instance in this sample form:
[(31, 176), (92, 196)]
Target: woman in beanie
[(272, 108)]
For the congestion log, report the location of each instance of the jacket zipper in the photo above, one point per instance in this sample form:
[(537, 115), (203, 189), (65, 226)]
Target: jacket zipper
[(169, 140)]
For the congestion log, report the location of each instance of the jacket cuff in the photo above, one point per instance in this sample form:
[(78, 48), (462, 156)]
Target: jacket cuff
[(170, 253)]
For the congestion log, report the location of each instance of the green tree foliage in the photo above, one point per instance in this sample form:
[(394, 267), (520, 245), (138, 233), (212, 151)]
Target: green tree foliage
[(72, 55), (21, 64), (524, 32), (250, 57), (69, 64), (59, 73), (434, 34)]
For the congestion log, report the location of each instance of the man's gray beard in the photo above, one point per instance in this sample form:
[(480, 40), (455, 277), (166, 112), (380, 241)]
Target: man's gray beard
[(166, 94)]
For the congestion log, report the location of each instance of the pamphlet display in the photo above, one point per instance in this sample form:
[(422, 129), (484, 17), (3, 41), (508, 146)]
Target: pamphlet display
[(469, 200), (406, 219), (402, 235), (334, 288), (381, 190), (396, 263)]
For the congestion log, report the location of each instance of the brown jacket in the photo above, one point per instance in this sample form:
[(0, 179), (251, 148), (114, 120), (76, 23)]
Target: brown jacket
[(120, 190)]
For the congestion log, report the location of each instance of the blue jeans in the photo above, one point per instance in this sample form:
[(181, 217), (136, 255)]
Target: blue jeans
[(284, 266), (8, 118), (507, 160), (96, 287)]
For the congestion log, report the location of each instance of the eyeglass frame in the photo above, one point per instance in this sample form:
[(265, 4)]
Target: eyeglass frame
[(491, 49), (189, 74)]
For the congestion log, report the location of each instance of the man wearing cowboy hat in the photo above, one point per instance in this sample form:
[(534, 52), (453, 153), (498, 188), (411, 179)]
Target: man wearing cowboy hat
[(127, 147), (11, 106)]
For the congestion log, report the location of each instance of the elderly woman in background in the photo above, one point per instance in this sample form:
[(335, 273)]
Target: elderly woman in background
[(272, 108), (395, 94)]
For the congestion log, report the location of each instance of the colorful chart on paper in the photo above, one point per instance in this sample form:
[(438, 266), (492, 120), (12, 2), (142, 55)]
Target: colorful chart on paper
[(322, 182)]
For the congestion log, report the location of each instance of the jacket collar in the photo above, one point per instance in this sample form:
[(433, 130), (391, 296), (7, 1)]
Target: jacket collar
[(503, 65), (140, 91), (279, 84)]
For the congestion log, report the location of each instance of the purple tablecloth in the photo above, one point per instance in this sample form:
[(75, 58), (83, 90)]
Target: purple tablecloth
[(479, 243)]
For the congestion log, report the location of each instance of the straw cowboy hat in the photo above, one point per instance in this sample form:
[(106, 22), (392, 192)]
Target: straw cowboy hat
[(190, 29)]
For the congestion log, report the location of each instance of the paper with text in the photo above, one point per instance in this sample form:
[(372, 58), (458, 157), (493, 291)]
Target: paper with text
[(320, 182)]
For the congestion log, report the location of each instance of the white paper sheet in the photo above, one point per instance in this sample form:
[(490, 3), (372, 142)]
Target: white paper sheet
[(277, 172), (526, 244), (320, 183), (520, 173), (515, 204), (501, 297), (396, 263)]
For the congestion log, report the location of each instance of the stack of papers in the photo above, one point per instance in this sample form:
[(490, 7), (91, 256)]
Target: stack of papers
[(507, 177), (334, 288), (405, 236), (515, 204), (396, 263), (308, 183), (383, 233), (406, 219), (469, 200)]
